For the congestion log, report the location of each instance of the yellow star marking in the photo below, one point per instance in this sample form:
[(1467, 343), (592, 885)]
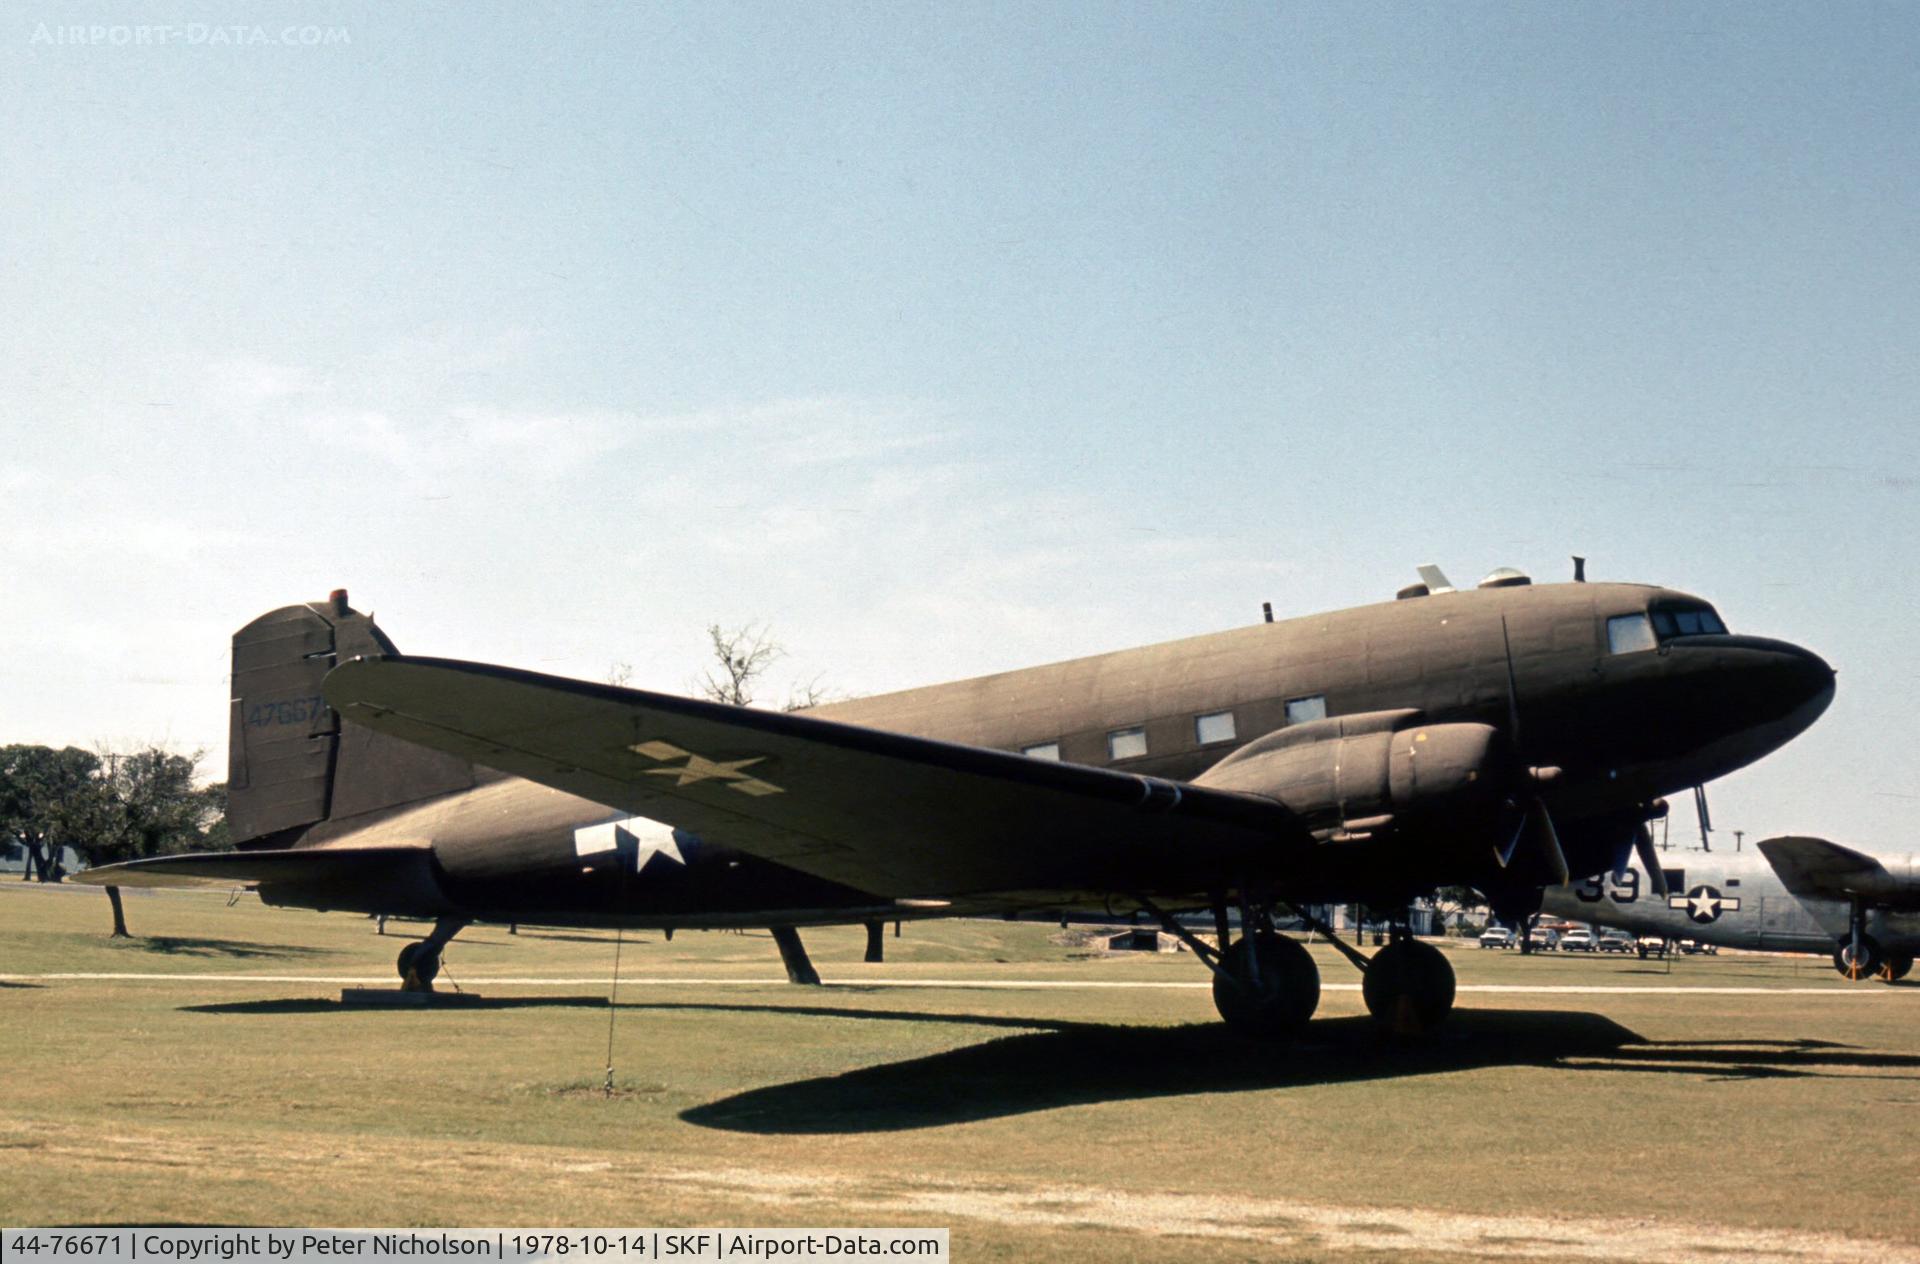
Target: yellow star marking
[(699, 768)]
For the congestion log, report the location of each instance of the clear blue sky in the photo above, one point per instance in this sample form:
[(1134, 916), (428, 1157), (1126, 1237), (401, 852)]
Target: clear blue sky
[(954, 338)]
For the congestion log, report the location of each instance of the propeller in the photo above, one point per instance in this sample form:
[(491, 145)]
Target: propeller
[(1650, 860), (1534, 833)]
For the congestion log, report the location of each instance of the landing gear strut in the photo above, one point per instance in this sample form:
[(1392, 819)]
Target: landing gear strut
[(419, 963), (1264, 984), (1267, 985), (1407, 985), (1857, 956)]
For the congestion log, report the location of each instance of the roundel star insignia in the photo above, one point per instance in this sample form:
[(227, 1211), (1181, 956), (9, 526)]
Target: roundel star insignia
[(1704, 903)]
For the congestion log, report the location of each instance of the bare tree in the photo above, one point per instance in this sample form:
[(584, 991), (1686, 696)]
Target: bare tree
[(741, 656), (810, 694)]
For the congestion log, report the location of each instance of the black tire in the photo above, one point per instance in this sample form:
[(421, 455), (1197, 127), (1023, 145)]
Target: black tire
[(1865, 966), (1409, 987), (1288, 994), (1895, 967), (415, 965)]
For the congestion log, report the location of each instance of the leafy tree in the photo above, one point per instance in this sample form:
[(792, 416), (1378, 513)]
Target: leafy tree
[(48, 800), (107, 806), (147, 805), (1450, 902)]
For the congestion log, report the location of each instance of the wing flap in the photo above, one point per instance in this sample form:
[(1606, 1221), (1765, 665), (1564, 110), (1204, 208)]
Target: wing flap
[(896, 815)]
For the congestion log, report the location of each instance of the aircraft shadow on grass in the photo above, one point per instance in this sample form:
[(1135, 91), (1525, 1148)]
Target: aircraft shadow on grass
[(572, 938), (180, 946), (321, 1005), (1055, 1064)]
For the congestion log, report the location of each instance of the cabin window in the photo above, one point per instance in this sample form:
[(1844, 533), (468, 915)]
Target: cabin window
[(1045, 750), (1127, 743), (1627, 633), (1214, 727), (1306, 710)]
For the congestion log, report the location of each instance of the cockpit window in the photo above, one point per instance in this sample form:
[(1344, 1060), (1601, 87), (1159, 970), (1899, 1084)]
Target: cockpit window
[(1671, 621), (1629, 632)]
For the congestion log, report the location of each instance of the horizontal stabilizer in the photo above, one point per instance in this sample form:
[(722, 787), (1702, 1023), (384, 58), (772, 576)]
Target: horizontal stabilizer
[(303, 866), (1816, 868)]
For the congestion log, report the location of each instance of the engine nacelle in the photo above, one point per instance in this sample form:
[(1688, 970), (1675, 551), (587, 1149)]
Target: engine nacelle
[(1356, 774)]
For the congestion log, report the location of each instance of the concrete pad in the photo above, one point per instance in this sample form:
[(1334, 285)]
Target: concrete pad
[(399, 998)]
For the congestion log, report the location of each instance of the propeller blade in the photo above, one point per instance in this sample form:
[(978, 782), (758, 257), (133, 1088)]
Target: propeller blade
[(1650, 861), (1547, 842), (1622, 855), (1505, 854)]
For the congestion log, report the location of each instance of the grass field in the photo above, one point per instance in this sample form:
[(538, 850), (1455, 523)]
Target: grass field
[(1751, 1107)]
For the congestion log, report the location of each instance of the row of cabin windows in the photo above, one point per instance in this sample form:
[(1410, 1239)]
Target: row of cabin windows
[(1210, 729)]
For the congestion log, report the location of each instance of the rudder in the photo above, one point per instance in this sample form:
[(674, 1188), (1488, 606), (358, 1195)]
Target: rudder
[(290, 763)]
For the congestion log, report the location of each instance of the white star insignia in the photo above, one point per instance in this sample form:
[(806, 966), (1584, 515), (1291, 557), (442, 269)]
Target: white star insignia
[(637, 836)]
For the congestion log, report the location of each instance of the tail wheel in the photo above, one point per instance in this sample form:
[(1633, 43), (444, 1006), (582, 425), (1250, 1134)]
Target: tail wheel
[(1287, 993), (1895, 967), (418, 966), (1409, 987), (1858, 963)]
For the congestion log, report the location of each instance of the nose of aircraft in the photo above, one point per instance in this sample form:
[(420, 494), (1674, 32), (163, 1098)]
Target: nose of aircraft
[(1806, 678), (1788, 680)]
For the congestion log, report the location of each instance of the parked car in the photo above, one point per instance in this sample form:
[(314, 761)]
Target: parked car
[(1496, 937), (1692, 946), (1544, 940), (1577, 941), (1615, 941), (1651, 946)]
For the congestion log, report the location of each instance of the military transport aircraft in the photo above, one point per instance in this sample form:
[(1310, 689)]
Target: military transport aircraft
[(1790, 895), (1502, 736)]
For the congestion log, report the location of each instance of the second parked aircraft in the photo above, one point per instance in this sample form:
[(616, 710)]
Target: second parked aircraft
[(1786, 895)]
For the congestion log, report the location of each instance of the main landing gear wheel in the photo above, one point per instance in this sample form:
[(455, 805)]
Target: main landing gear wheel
[(419, 965), (1280, 1000), (1858, 962), (1408, 987), (1894, 968)]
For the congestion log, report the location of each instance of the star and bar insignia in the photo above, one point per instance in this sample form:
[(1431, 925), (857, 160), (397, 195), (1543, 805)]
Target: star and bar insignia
[(1704, 903)]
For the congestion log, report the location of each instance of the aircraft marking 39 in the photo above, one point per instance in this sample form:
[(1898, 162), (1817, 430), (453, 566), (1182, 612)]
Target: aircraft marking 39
[(1495, 736)]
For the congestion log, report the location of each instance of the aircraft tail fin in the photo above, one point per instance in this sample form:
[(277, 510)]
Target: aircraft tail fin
[(1814, 867), (290, 763)]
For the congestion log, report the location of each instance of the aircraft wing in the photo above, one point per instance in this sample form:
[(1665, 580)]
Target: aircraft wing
[(903, 817), (1819, 869)]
